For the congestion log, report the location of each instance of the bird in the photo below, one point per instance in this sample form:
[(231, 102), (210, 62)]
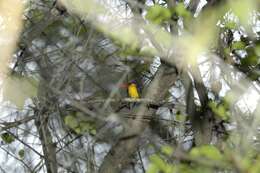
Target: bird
[(133, 90)]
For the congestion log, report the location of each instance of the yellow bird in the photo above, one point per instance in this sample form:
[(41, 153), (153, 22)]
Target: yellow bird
[(133, 91)]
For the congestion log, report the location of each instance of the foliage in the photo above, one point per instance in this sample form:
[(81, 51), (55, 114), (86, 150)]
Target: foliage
[(21, 153), (79, 125), (7, 138), (157, 14), (219, 110), (17, 89)]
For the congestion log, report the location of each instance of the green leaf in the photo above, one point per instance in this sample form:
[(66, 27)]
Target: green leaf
[(181, 10), (71, 121), (87, 127), (78, 130), (226, 51), (184, 168), (245, 163), (126, 38), (249, 61), (230, 25), (21, 153), (242, 9), (157, 161), (17, 89), (238, 45), (219, 110), (129, 50), (255, 167), (164, 38), (79, 123), (206, 151), (158, 14), (168, 150), (7, 138), (161, 164), (180, 117), (152, 169), (148, 51), (93, 132), (257, 49), (230, 97)]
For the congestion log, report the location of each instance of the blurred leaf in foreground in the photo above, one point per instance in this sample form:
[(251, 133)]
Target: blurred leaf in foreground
[(11, 25), (157, 14), (17, 89), (207, 151)]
